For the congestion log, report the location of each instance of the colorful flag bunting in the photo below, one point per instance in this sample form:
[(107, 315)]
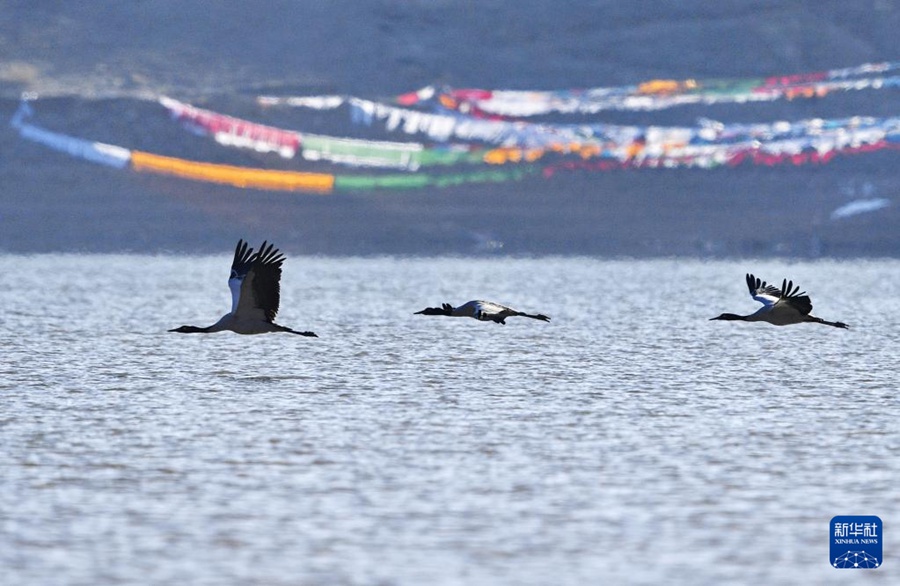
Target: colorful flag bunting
[(476, 127)]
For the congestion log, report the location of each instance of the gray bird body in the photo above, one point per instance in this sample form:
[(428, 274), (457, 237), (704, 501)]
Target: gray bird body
[(482, 311)]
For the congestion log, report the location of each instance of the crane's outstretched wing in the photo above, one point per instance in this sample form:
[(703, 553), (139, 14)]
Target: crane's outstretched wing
[(761, 291), (488, 308), (261, 287), (797, 299), (788, 294), (240, 266)]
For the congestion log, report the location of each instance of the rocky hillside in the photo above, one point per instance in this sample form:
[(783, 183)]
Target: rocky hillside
[(97, 68)]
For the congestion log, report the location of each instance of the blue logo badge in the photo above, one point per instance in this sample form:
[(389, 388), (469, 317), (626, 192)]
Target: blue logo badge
[(856, 541)]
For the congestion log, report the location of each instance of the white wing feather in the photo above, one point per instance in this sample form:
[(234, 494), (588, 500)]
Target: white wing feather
[(766, 299), (234, 284)]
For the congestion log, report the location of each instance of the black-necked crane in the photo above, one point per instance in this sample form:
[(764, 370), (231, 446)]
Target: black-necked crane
[(781, 307), (481, 310), (255, 294)]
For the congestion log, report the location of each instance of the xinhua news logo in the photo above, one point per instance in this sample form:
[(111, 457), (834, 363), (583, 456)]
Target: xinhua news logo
[(856, 542)]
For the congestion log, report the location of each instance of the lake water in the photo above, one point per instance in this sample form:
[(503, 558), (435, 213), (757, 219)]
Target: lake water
[(628, 441)]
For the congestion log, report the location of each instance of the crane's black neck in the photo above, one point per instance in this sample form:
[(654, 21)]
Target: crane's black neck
[(446, 309), (730, 317), (190, 330)]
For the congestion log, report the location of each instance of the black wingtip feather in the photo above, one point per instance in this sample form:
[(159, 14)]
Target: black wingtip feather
[(268, 255), (242, 257)]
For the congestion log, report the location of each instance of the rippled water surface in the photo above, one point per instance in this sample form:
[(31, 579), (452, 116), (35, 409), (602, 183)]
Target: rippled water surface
[(628, 441)]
